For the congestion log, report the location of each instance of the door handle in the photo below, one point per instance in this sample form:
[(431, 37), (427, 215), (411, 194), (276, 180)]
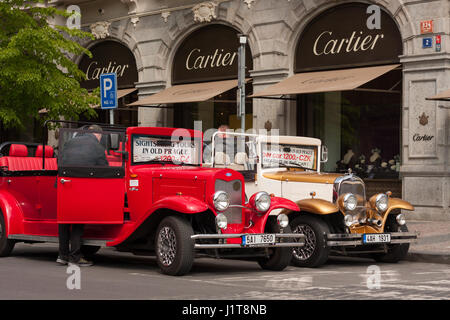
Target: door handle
[(64, 181)]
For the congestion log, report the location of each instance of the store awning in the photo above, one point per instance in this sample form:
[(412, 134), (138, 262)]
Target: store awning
[(120, 94), (193, 92), (443, 96), (124, 92), (325, 81)]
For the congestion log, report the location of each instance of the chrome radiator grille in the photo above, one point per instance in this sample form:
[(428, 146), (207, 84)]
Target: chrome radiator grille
[(234, 190), (356, 187)]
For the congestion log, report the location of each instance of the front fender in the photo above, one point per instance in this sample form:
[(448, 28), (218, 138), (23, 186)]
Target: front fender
[(260, 221), (282, 203), (182, 204), (396, 203), (317, 206), (12, 213)]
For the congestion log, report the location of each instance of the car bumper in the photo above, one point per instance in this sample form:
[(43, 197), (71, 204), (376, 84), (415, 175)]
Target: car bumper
[(342, 239), (281, 240)]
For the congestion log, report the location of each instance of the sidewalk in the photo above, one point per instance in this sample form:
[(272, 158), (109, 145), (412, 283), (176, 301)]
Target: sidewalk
[(433, 243)]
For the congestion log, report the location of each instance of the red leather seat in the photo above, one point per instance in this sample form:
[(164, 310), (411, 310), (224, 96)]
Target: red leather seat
[(50, 162), (18, 150), (18, 160), (48, 151)]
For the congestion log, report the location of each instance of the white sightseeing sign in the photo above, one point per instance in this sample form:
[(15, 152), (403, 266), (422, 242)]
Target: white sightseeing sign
[(283, 155), (149, 149)]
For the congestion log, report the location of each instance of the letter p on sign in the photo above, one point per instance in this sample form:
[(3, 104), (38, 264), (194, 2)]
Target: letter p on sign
[(107, 85)]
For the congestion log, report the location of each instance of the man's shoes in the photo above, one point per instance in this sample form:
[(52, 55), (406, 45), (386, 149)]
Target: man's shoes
[(62, 260), (82, 263)]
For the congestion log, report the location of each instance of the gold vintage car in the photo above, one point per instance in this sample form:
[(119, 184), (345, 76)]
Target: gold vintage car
[(336, 215)]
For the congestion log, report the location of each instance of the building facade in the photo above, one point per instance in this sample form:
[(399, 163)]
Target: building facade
[(302, 58)]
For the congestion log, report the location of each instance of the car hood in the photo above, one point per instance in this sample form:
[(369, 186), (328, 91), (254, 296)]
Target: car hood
[(300, 176), (181, 172)]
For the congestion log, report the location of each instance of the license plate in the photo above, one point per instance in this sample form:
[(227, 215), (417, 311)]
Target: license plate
[(257, 239), (377, 238)]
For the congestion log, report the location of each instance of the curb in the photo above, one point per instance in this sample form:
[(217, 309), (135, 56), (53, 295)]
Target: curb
[(428, 257)]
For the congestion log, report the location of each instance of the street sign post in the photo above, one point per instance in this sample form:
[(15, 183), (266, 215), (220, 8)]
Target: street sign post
[(108, 93), (241, 79)]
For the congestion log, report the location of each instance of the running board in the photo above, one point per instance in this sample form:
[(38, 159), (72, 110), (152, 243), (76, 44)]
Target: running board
[(26, 237)]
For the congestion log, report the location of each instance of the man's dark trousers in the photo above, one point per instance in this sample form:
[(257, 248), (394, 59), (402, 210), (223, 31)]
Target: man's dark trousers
[(66, 236)]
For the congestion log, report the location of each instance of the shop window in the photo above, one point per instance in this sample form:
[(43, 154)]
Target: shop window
[(361, 128)]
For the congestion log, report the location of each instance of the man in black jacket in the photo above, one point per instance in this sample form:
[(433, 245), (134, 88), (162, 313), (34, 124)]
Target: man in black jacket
[(82, 150), (85, 150)]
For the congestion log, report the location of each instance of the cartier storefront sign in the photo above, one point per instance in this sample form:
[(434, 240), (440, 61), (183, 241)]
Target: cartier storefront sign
[(109, 57), (349, 35), (209, 53)]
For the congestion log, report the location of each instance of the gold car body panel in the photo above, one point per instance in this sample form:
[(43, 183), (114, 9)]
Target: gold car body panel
[(365, 229), (394, 203), (317, 206), (301, 176)]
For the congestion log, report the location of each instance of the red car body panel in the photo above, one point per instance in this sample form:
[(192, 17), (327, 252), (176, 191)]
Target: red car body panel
[(91, 201), (12, 212), (35, 204)]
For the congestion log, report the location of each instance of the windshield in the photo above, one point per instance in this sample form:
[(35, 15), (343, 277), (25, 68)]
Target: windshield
[(287, 155), (165, 149), (90, 148)]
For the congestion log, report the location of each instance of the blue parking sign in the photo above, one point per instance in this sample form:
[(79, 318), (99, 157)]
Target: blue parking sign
[(108, 90)]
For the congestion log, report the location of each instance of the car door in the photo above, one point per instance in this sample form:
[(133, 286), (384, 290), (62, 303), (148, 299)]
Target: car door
[(88, 192)]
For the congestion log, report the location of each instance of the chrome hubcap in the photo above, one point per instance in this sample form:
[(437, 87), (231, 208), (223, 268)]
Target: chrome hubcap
[(305, 252), (167, 246)]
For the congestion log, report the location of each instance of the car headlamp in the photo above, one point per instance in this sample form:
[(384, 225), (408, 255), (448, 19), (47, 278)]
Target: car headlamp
[(350, 202), (221, 200), (283, 220), (262, 201), (221, 221), (401, 219), (381, 202), (348, 220)]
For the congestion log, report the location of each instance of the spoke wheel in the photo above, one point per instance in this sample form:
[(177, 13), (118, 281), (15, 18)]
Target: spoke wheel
[(168, 246), (305, 252), (315, 251), (174, 246)]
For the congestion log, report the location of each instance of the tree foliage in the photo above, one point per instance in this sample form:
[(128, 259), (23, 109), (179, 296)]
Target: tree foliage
[(36, 71)]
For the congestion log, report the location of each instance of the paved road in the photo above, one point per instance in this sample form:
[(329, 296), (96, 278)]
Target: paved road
[(31, 273)]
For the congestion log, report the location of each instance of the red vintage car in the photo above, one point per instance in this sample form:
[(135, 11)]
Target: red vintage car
[(153, 197)]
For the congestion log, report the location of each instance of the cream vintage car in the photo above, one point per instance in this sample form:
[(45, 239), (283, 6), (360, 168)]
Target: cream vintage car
[(336, 215)]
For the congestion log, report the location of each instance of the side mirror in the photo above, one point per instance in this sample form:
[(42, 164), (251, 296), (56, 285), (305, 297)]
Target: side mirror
[(324, 154), (115, 141)]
